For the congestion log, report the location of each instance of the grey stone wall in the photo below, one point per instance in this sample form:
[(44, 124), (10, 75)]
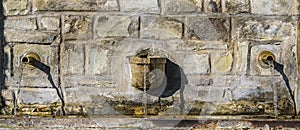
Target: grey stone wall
[(84, 47)]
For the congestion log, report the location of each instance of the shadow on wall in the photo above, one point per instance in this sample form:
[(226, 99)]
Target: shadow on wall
[(3, 57), (174, 80)]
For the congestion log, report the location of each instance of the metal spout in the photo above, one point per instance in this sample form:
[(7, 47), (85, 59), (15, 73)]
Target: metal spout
[(265, 58), (29, 58)]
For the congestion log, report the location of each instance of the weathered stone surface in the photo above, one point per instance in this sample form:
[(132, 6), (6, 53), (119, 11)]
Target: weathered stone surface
[(96, 5), (242, 56), (16, 7), (202, 64), (50, 23), (222, 63), (268, 29), (237, 6), (180, 6), (161, 27), (78, 27), (31, 36), (215, 6), (146, 6), (18, 74), (38, 96), (210, 29), (73, 59), (277, 7), (97, 60), (20, 24), (116, 26), (206, 45)]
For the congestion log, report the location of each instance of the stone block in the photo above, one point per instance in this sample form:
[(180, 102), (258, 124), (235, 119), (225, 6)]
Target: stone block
[(97, 61), (242, 57), (20, 75), (196, 64), (38, 96), (16, 7), (180, 6), (161, 27), (72, 59), (50, 23), (255, 68), (20, 23), (237, 6), (78, 27), (95, 5), (274, 7), (209, 29), (116, 26), (222, 62), (32, 36), (206, 45), (263, 29), (145, 6)]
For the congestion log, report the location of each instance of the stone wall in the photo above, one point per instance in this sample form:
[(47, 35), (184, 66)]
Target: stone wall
[(211, 47)]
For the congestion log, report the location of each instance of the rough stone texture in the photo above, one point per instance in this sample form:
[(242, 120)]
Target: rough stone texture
[(77, 27), (145, 6), (201, 67), (242, 57), (20, 24), (222, 63), (97, 61), (210, 29), (50, 23), (38, 96), (73, 59), (180, 6), (238, 6), (32, 37), (161, 27), (16, 7), (277, 7), (97, 5), (115, 26)]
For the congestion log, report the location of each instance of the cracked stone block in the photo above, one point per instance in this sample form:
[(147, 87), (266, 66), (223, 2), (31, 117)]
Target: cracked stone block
[(180, 6), (20, 75), (95, 5), (78, 27), (222, 62), (16, 7), (50, 23), (275, 7), (161, 27), (31, 36), (20, 24), (237, 6), (73, 59), (210, 29), (116, 26), (145, 6)]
